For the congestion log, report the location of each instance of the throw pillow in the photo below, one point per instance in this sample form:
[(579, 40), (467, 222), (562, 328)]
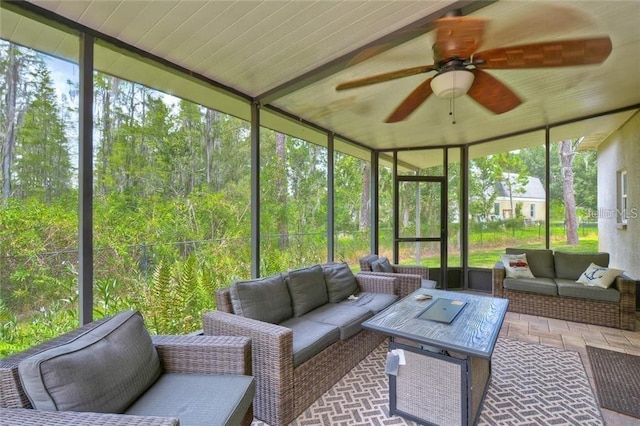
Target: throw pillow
[(103, 370), (307, 288), (341, 283), (265, 299), (599, 276), (382, 265), (516, 265)]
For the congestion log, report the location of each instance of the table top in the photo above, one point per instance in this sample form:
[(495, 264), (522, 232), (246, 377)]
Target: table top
[(473, 332)]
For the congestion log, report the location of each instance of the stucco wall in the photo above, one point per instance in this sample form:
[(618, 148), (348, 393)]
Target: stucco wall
[(620, 151)]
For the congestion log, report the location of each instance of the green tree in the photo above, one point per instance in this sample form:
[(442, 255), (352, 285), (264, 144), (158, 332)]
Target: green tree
[(43, 167)]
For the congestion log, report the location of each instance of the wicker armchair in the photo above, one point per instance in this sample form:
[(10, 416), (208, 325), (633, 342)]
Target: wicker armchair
[(409, 277), (178, 354)]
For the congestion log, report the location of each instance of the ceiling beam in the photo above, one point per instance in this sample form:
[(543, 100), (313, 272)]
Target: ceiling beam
[(396, 38)]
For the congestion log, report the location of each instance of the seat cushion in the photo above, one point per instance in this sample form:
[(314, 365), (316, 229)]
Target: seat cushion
[(198, 399), (533, 285), (574, 289), (347, 318), (540, 261), (265, 299), (307, 288), (340, 281), (103, 370), (310, 337), (569, 266), (374, 302)]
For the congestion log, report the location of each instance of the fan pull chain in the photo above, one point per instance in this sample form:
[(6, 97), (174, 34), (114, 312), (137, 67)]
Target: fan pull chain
[(452, 110)]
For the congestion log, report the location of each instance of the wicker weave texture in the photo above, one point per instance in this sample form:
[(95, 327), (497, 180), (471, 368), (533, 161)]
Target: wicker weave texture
[(283, 392), (607, 314), (178, 354), (430, 389), (28, 417)]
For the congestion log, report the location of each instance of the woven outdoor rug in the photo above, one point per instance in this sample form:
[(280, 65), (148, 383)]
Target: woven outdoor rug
[(531, 385), (617, 377)]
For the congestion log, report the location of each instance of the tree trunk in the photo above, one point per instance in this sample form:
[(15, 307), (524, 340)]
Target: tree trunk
[(571, 222), (282, 185), (11, 118), (365, 198)]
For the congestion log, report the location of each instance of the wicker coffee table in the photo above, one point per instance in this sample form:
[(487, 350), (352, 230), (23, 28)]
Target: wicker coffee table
[(447, 365)]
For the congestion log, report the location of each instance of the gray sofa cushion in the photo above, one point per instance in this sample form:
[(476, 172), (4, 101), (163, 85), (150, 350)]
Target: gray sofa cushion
[(374, 302), (198, 399), (310, 338), (534, 285), (340, 281), (570, 266), (381, 265), (266, 299), (307, 288), (365, 262), (103, 370), (574, 289), (540, 261), (348, 319)]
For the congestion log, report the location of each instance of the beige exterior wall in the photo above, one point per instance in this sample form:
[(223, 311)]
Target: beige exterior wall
[(505, 205), (620, 151)]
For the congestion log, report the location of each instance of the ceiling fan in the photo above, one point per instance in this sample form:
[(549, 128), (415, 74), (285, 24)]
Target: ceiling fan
[(460, 67)]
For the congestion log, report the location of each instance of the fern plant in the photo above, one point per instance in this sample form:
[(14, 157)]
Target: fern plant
[(177, 297)]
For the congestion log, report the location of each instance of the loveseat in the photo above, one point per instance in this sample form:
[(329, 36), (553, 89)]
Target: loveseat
[(553, 290), (305, 329), (112, 372), (409, 277)]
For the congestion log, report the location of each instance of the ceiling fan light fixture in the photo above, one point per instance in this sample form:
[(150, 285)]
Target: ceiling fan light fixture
[(451, 84)]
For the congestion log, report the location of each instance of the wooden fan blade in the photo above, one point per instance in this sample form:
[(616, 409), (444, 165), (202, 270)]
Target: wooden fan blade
[(492, 94), (374, 79), (458, 36), (411, 102), (550, 54)]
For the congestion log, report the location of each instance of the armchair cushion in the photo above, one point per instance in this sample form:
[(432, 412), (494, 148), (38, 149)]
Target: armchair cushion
[(265, 299), (307, 288), (188, 397), (103, 370), (341, 283), (381, 265)]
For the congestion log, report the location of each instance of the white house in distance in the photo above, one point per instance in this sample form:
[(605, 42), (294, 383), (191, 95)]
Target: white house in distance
[(530, 197)]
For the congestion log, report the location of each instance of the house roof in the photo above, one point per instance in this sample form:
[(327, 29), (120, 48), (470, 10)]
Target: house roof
[(533, 189), (288, 57)]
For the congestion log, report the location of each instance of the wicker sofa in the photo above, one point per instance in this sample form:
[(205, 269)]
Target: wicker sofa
[(112, 372), (554, 292), (409, 277), (306, 331)]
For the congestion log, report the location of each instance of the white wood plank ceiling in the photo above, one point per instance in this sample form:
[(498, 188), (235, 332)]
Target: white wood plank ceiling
[(264, 48)]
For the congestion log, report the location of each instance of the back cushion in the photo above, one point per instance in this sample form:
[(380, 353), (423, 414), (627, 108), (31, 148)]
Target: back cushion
[(540, 261), (341, 283), (103, 370), (265, 299), (570, 266), (381, 265), (308, 289)]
